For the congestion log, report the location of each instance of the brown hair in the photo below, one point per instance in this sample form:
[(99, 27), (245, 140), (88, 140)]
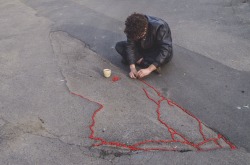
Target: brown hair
[(136, 25)]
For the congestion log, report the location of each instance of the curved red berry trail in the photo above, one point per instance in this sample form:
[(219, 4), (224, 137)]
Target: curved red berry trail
[(173, 132)]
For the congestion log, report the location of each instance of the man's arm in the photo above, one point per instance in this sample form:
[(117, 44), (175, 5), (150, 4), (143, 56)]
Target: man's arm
[(130, 51), (164, 41), (144, 72), (133, 71), (131, 58)]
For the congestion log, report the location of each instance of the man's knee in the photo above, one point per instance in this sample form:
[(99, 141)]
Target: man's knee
[(120, 47)]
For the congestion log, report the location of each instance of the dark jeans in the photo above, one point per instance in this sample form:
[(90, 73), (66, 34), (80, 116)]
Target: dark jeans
[(148, 55)]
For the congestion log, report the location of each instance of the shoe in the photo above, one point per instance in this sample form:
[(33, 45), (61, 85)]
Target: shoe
[(158, 70)]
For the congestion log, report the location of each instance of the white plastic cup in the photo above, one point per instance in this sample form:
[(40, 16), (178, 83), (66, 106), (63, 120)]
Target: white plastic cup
[(106, 73)]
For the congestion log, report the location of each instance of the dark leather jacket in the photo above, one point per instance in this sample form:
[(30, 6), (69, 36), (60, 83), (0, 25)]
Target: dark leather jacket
[(158, 38)]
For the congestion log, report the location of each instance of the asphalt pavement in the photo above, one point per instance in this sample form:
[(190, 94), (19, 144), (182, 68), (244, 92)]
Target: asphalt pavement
[(57, 108)]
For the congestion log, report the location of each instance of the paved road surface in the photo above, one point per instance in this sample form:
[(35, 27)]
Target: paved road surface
[(41, 122)]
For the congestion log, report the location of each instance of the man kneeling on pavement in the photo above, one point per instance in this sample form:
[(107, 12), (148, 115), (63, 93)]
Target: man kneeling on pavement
[(148, 45)]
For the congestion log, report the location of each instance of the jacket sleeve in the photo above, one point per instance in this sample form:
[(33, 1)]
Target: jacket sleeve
[(131, 51), (164, 41)]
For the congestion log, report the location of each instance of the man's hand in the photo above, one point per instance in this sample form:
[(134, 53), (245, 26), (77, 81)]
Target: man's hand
[(144, 72), (133, 72)]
